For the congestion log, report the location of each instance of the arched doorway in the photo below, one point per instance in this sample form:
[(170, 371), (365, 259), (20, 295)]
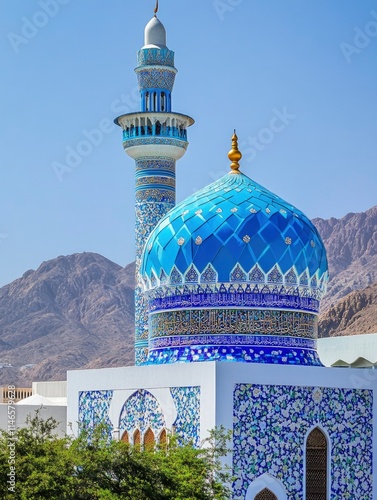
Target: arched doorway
[(316, 465), (266, 494), (149, 440), (137, 439), (125, 438)]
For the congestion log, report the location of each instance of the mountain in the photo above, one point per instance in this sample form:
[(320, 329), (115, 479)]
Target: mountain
[(72, 312), (351, 244), (354, 314)]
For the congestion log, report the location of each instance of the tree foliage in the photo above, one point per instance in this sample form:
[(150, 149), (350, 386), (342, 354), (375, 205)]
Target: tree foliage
[(91, 467)]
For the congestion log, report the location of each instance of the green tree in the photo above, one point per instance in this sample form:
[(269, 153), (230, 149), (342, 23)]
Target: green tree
[(92, 468)]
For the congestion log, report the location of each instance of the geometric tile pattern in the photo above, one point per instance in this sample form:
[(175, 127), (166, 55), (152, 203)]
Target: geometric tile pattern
[(270, 425), (277, 233), (160, 57), (156, 78)]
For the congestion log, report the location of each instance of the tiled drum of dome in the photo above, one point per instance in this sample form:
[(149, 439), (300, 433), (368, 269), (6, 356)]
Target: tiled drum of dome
[(141, 411), (234, 245), (94, 409), (187, 404), (270, 424)]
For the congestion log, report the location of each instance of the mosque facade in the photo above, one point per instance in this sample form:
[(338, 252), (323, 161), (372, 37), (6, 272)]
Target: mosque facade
[(228, 290)]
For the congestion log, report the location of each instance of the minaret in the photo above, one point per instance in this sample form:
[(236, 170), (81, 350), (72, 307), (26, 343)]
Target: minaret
[(156, 138)]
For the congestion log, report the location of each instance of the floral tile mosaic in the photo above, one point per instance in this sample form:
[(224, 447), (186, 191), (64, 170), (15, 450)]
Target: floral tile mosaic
[(269, 428), (94, 409), (187, 423)]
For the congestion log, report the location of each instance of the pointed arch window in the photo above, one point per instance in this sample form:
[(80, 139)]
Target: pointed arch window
[(266, 494), (316, 465), (149, 440), (137, 439), (125, 438), (163, 439)]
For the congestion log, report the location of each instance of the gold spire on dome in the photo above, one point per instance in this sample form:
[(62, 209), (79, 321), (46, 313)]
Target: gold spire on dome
[(156, 9), (234, 155)]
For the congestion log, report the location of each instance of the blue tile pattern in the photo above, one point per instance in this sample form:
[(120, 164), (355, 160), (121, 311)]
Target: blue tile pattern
[(154, 198), (156, 78), (159, 57), (141, 411), (226, 254), (269, 430), (187, 404), (94, 409), (280, 235)]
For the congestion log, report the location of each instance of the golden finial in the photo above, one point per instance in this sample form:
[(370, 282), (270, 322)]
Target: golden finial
[(156, 9), (234, 155)]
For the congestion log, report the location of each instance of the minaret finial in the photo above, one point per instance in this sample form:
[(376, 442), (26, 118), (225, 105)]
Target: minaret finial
[(156, 9), (234, 155)]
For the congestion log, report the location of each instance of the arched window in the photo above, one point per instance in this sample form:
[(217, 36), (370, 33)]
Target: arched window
[(154, 101), (163, 101), (163, 439), (266, 494), (125, 437), (137, 439), (147, 101), (158, 128), (149, 440), (316, 465)]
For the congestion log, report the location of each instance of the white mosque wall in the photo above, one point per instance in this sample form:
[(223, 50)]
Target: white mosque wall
[(271, 409), (14, 416)]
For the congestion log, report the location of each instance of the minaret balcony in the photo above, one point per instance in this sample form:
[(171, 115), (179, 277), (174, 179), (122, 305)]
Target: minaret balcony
[(157, 131)]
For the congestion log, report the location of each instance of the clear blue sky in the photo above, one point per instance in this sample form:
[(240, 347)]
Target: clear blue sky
[(241, 63)]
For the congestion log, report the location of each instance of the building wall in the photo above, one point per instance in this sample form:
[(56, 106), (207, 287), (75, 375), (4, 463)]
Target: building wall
[(270, 409), (15, 416), (179, 396)]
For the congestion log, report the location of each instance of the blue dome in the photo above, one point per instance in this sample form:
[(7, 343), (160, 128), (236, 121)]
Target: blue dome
[(234, 273), (234, 225)]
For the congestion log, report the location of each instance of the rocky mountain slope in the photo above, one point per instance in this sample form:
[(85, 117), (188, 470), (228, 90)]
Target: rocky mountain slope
[(72, 312), (354, 314), (351, 244)]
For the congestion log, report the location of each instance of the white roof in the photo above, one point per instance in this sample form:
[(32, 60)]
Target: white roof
[(38, 400), (353, 350)]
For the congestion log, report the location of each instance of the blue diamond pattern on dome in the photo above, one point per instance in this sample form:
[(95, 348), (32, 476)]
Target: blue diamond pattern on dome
[(280, 235)]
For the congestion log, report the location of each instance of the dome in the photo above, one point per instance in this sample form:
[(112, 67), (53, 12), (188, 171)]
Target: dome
[(154, 34), (234, 273), (232, 224)]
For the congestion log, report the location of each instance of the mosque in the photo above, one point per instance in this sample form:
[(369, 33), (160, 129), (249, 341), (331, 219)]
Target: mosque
[(229, 284)]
